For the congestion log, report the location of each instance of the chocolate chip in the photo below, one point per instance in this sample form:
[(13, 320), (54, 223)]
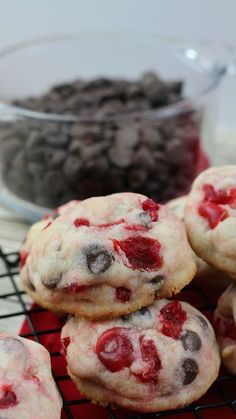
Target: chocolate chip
[(126, 317), (10, 148), (143, 311), (97, 83), (136, 178), (203, 322), (55, 215), (54, 184), (157, 279), (71, 168), (145, 219), (143, 158), (57, 158), (98, 259), (51, 282), (190, 370), (191, 341)]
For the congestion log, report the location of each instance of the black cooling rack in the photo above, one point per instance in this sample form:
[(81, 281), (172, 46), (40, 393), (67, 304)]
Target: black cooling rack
[(219, 401)]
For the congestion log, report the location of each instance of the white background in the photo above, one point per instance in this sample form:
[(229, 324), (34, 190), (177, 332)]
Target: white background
[(214, 19)]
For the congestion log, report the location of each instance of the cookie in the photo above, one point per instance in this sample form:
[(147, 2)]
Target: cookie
[(177, 205), (27, 389), (210, 218), (162, 357), (109, 256), (225, 326)]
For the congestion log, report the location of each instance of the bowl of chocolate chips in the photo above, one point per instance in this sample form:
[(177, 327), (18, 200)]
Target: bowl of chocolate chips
[(93, 114)]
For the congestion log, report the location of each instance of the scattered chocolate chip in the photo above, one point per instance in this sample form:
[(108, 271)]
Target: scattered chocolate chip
[(190, 370), (98, 259), (143, 311), (191, 341), (137, 178), (51, 282), (203, 322), (71, 168), (145, 219), (157, 279), (126, 317)]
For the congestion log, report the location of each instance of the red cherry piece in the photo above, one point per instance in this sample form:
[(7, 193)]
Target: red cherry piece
[(81, 222), (152, 207), (114, 223), (218, 197), (123, 294), (75, 288), (64, 345), (136, 227), (140, 253), (23, 257), (172, 317), (212, 213), (9, 398), (232, 195), (149, 356), (114, 349)]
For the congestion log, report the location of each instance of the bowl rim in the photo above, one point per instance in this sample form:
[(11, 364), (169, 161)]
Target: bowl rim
[(180, 107)]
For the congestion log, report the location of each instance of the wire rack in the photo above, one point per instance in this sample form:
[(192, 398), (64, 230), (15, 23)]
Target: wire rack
[(218, 402)]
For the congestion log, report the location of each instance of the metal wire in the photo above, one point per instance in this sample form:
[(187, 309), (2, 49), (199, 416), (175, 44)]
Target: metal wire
[(221, 396)]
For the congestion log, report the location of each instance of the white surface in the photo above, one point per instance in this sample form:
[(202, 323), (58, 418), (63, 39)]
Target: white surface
[(20, 20)]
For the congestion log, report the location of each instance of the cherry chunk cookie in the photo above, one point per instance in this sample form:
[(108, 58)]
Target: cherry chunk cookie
[(109, 256), (27, 389), (210, 218), (161, 357), (225, 326)]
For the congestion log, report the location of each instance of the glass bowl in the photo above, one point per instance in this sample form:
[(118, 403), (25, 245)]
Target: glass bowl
[(47, 159)]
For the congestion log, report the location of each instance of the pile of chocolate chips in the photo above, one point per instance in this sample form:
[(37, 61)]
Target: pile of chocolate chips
[(49, 162)]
